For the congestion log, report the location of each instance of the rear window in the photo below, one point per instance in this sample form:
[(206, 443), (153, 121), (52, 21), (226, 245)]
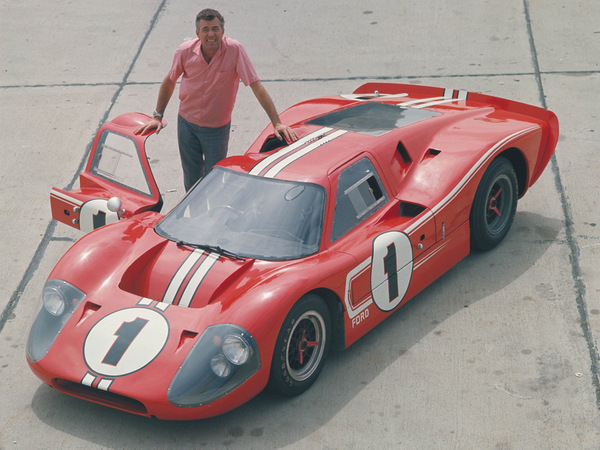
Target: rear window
[(372, 118)]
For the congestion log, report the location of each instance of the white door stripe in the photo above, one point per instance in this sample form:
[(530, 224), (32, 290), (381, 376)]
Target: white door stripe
[(65, 197)]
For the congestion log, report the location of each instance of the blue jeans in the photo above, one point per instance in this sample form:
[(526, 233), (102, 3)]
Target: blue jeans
[(200, 148)]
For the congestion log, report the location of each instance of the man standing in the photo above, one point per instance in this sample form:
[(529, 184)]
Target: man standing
[(211, 68)]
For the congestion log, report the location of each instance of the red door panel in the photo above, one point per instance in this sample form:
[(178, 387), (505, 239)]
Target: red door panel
[(117, 167)]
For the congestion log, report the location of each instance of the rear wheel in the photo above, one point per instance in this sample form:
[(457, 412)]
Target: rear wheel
[(301, 346), (494, 206)]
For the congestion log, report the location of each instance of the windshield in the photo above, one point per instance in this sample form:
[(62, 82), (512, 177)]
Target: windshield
[(250, 216)]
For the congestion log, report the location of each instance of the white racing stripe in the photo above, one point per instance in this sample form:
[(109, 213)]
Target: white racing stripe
[(196, 280), (471, 173), (273, 171), (463, 182), (372, 96), (450, 95), (438, 102), (457, 94), (104, 384), (271, 159), (181, 275), (88, 379), (429, 216), (421, 100)]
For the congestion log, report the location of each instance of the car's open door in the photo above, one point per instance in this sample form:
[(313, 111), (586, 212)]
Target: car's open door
[(117, 182)]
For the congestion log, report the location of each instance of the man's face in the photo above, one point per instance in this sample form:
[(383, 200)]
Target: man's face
[(210, 34)]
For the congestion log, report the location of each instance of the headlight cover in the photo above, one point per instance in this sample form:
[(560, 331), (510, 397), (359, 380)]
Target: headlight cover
[(59, 300), (222, 359)]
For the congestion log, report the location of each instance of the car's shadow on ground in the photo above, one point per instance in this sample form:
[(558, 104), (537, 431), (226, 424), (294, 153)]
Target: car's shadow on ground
[(271, 421)]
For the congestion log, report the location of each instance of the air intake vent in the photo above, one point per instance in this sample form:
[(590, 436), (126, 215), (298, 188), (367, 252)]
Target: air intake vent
[(271, 144), (401, 149), (430, 154), (98, 396), (410, 209)]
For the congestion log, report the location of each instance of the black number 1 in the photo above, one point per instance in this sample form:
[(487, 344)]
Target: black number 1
[(126, 333), (391, 270), (99, 220)]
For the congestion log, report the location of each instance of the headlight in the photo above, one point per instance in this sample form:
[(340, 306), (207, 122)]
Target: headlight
[(221, 360), (236, 349), (220, 366), (59, 300), (53, 300)]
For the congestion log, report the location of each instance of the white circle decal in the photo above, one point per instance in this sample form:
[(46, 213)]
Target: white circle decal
[(95, 214), (391, 269), (125, 341)]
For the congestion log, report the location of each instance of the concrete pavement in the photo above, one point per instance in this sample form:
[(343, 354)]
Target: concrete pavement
[(501, 352)]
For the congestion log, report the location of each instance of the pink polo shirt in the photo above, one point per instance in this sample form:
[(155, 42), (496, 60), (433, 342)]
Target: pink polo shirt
[(207, 91)]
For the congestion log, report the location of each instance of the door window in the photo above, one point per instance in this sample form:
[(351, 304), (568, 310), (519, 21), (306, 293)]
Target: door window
[(359, 194), (117, 160)]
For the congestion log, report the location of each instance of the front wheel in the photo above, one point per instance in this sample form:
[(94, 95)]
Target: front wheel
[(301, 346), (494, 206)]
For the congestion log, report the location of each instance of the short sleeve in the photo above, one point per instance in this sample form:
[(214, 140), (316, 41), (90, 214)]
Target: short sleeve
[(244, 68), (177, 65)]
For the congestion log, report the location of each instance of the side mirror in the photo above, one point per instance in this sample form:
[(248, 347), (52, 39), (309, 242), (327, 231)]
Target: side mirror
[(114, 204)]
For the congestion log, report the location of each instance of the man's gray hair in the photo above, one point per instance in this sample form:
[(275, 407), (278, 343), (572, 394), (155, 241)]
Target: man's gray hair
[(208, 15)]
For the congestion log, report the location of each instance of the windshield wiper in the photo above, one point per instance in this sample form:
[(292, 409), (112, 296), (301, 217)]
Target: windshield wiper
[(212, 248)]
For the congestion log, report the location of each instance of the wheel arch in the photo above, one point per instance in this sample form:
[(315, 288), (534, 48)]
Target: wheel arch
[(488, 232), (517, 159), (336, 309)]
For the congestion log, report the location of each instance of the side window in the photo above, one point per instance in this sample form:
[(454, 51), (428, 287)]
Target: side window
[(359, 194), (117, 160)]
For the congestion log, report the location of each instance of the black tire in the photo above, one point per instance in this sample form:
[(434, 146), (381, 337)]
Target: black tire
[(301, 347), (494, 205)]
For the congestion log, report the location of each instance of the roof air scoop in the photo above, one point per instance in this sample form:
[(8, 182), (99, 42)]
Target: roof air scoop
[(272, 143), (431, 153), (401, 149)]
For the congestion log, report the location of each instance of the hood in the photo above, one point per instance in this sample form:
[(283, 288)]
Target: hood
[(180, 275), (127, 260)]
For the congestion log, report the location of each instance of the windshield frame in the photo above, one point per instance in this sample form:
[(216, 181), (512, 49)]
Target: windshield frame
[(286, 249)]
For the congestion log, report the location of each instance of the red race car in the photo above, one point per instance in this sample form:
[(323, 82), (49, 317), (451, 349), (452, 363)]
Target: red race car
[(279, 255)]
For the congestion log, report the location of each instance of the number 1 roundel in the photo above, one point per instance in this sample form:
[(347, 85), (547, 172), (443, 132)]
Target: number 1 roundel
[(125, 341), (95, 214), (391, 269)]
